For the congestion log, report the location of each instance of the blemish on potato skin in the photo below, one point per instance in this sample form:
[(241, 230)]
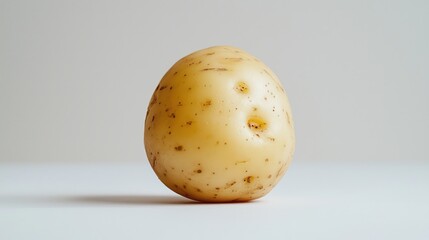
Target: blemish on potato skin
[(210, 53), (189, 123), (153, 100), (237, 59), (179, 148), (249, 179), (240, 162), (154, 161), (214, 69), (172, 115), (228, 185), (242, 87), (162, 88), (207, 103), (256, 124)]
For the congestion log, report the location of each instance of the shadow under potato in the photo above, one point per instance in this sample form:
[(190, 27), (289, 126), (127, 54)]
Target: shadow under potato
[(130, 199), (101, 200)]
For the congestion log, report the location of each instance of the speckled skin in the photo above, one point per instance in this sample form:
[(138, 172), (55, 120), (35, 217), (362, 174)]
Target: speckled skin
[(219, 127)]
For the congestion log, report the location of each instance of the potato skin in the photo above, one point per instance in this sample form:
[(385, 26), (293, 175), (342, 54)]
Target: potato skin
[(219, 127)]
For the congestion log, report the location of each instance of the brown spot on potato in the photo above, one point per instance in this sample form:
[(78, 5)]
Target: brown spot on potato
[(242, 87), (210, 53), (240, 162), (153, 100), (178, 148), (162, 88), (249, 179), (237, 59), (207, 103), (214, 69), (154, 161), (189, 122), (256, 124), (228, 185)]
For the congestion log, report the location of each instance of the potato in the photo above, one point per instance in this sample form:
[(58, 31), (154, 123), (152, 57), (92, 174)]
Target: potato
[(219, 127)]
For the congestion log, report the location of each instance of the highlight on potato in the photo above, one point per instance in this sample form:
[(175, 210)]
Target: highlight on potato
[(219, 127)]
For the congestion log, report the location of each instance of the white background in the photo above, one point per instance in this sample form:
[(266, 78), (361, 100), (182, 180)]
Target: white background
[(76, 78)]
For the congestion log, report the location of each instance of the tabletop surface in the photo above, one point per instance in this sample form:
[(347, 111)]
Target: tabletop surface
[(127, 201)]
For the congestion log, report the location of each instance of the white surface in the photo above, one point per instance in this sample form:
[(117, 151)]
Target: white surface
[(313, 201)]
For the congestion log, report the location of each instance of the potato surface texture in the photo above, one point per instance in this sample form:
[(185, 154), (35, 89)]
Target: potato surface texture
[(219, 127)]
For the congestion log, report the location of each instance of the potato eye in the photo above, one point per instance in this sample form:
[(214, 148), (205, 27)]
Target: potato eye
[(256, 124), (242, 87)]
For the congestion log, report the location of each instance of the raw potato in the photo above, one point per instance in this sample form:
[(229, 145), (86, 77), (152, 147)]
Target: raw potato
[(219, 127)]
